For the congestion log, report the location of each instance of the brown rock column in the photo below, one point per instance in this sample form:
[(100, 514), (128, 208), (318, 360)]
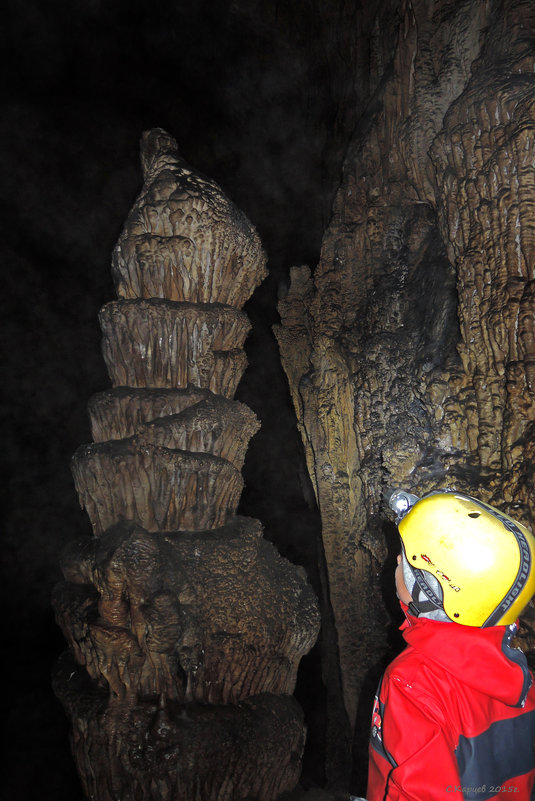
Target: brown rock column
[(409, 349), (185, 626)]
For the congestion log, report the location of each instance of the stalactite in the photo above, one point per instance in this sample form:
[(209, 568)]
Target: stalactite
[(185, 626)]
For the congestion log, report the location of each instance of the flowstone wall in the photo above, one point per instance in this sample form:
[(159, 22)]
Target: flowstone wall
[(185, 626), (410, 349)]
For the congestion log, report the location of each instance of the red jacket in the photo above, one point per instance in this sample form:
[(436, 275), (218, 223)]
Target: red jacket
[(454, 718)]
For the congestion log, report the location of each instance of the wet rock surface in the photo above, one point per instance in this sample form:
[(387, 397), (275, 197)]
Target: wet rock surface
[(172, 750), (409, 348)]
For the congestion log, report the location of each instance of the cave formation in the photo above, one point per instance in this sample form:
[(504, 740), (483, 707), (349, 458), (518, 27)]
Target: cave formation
[(185, 626), (409, 351)]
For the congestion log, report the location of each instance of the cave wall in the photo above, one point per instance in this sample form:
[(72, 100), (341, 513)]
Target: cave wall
[(409, 349)]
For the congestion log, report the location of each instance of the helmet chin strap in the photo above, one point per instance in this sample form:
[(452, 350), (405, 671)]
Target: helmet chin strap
[(425, 592), (413, 609), (421, 606)]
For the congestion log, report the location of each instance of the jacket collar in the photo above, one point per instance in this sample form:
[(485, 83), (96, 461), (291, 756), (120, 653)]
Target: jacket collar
[(483, 658)]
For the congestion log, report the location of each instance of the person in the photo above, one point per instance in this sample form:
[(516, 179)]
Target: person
[(454, 715)]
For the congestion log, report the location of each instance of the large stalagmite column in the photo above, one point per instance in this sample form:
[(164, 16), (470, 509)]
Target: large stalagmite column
[(410, 350), (185, 626)]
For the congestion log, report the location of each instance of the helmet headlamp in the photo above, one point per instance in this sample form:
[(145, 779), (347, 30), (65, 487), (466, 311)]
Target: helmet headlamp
[(401, 502)]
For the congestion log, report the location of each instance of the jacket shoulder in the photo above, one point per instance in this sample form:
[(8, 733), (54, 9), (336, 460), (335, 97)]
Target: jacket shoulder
[(418, 680)]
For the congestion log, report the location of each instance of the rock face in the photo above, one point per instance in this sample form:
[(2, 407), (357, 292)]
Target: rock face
[(410, 350), (185, 626)]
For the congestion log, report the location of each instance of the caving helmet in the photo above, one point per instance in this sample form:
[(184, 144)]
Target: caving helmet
[(463, 560)]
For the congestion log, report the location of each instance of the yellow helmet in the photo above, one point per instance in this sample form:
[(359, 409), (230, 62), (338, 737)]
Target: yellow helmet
[(468, 560)]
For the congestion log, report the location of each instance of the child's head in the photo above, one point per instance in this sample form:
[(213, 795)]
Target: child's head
[(462, 560)]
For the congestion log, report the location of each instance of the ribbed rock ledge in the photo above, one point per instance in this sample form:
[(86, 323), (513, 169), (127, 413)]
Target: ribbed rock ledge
[(211, 616), (184, 239), (167, 750), (158, 343), (212, 425), (159, 488), (118, 413), (216, 426)]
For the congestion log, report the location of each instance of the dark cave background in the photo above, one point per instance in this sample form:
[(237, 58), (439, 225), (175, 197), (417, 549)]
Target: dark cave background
[(260, 96)]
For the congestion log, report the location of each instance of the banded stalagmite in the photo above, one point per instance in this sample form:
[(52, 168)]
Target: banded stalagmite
[(185, 626)]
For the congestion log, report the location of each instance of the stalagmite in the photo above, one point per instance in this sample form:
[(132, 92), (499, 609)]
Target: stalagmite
[(185, 626)]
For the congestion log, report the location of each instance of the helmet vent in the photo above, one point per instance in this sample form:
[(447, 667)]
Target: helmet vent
[(474, 514)]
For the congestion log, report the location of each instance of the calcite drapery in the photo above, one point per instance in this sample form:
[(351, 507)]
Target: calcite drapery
[(409, 352), (118, 413), (160, 343), (195, 421), (185, 626), (159, 488)]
